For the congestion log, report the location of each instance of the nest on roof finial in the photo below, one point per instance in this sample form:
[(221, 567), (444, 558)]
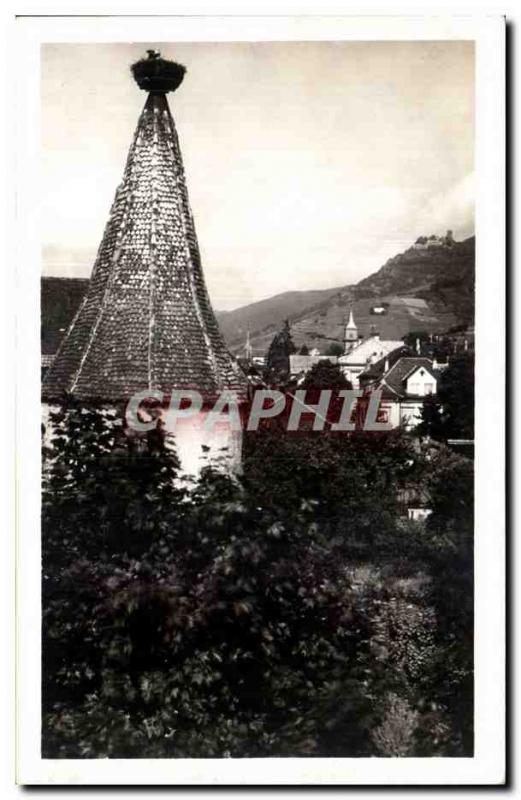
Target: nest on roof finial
[(156, 74)]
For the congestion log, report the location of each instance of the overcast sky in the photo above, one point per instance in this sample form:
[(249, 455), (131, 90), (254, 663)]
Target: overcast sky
[(308, 164)]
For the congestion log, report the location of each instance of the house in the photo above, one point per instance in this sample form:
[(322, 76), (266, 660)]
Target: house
[(364, 354), (429, 242), (404, 387)]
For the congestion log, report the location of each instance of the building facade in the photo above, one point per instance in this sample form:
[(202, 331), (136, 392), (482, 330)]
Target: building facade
[(359, 354), (404, 387)]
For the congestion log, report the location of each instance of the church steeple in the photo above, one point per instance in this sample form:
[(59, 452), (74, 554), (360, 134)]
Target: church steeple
[(248, 349), (350, 333), (146, 321)]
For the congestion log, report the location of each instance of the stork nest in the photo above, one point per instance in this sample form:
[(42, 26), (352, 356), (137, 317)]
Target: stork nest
[(154, 74)]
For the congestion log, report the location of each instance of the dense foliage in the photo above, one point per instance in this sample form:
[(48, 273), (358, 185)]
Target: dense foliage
[(291, 612), (335, 349), (450, 414), (277, 359)]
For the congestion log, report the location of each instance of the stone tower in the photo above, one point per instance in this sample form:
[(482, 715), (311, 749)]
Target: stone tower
[(350, 334), (146, 321)]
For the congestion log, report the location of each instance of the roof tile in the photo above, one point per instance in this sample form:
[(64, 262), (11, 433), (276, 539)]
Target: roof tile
[(146, 320)]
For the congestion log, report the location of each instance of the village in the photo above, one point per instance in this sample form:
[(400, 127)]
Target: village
[(220, 592), (405, 374)]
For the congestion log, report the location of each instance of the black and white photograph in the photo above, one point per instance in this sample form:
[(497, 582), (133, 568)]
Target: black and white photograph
[(260, 320)]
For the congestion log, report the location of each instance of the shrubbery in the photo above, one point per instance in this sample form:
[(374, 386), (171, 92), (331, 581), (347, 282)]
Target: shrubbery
[(282, 614)]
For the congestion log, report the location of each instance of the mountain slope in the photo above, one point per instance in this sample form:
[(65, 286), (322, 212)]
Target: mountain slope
[(60, 298), (429, 290), (270, 312), (443, 276)]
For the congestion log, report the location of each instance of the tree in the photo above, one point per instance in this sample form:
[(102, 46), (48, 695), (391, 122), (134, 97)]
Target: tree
[(304, 350), (335, 349), (222, 629), (451, 525), (286, 613), (277, 361), (325, 375), (456, 397), (411, 338), (431, 419), (450, 414), (100, 475)]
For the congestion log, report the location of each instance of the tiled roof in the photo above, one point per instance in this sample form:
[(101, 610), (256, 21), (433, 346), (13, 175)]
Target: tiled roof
[(298, 363), (146, 319), (376, 370), (393, 382), (374, 347)]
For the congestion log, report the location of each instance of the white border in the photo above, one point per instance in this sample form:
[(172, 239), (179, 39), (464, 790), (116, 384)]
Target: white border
[(487, 767)]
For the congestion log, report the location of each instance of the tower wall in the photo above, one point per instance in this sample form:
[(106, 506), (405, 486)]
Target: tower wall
[(197, 447)]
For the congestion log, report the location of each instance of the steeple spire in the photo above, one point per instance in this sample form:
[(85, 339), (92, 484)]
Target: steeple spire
[(248, 348), (146, 321), (350, 333)]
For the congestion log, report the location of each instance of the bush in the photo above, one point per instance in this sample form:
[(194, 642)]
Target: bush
[(278, 615)]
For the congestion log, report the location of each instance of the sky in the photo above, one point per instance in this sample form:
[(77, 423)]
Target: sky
[(308, 164)]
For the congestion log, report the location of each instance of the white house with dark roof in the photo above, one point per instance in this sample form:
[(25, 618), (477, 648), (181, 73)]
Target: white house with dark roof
[(404, 386)]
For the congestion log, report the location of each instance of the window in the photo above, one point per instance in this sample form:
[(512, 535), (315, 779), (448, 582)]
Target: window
[(414, 388), (429, 388), (383, 415)]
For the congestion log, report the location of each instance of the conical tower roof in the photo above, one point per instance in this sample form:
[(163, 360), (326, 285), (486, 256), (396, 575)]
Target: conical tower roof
[(146, 321), (350, 322)]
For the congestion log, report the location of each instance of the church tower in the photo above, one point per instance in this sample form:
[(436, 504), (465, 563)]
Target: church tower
[(350, 334), (248, 349), (146, 321)]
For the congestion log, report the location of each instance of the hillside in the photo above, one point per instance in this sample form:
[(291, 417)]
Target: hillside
[(269, 313), (421, 290), (429, 289), (442, 276), (59, 301)]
